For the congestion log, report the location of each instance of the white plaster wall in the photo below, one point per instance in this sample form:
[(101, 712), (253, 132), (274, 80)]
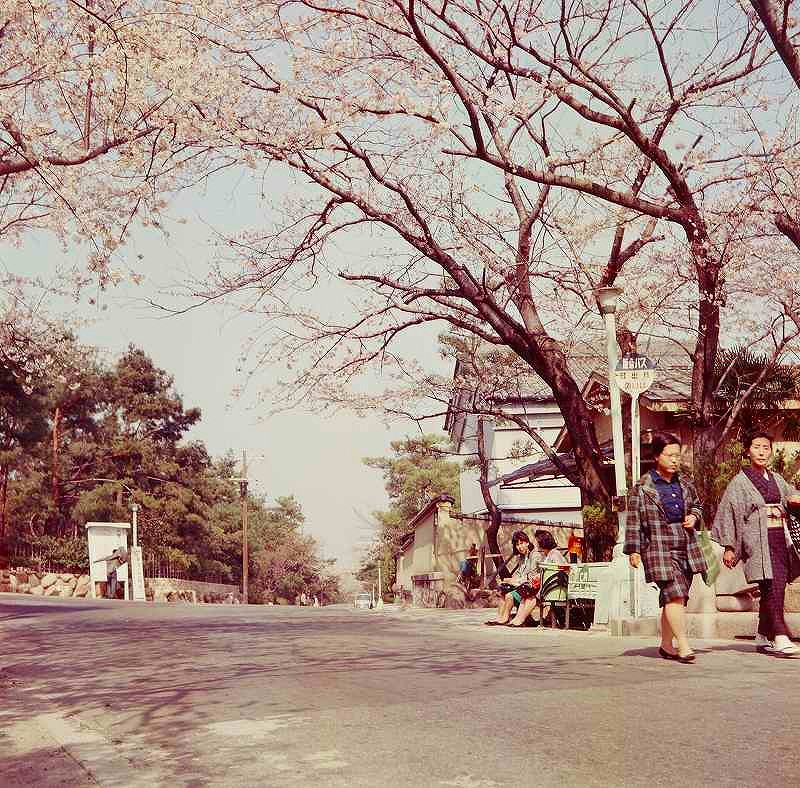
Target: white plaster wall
[(423, 548), (404, 564), (547, 499)]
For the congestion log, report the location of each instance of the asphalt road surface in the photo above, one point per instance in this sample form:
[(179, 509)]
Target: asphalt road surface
[(135, 694)]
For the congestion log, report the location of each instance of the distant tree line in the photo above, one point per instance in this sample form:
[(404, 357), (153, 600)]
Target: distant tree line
[(80, 439)]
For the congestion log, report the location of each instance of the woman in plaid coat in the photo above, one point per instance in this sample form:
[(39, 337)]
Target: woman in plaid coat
[(663, 510)]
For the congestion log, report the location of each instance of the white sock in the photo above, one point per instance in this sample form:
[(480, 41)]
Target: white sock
[(762, 640)]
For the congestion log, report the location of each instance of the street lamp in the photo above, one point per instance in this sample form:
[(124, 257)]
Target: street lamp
[(135, 522), (607, 300), (622, 574)]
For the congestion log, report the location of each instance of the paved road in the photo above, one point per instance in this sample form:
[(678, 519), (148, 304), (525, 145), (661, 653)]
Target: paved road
[(130, 694)]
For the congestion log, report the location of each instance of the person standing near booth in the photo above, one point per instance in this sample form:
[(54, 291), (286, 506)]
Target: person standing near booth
[(118, 557), (751, 525), (663, 510)]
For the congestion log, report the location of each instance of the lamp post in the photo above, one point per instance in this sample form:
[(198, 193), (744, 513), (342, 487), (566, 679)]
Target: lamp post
[(607, 298), (135, 523), (622, 591), (379, 602)]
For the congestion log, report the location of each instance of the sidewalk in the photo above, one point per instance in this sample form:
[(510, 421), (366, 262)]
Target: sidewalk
[(29, 754), (473, 619)]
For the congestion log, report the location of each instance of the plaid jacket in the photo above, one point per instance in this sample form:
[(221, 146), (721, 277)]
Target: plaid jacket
[(647, 532)]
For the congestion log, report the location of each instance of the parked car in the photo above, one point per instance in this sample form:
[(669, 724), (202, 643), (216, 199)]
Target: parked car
[(363, 601)]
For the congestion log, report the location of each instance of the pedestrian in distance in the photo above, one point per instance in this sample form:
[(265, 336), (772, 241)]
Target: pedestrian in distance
[(751, 525), (663, 513), (519, 584), (574, 547), (468, 568)]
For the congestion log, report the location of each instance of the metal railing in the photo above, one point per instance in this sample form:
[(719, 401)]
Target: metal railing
[(158, 566), (37, 560)]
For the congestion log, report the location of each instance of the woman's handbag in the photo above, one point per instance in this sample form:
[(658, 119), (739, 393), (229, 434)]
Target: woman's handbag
[(713, 565), (793, 525), (525, 590), (506, 588)]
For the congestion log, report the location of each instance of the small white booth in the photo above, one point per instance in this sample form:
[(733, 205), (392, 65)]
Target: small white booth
[(103, 539)]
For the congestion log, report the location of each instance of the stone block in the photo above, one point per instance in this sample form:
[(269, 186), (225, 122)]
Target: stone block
[(639, 627), (49, 579), (792, 604), (65, 590), (731, 581), (702, 599), (13, 583), (22, 576), (66, 577), (52, 590), (81, 591), (23, 588), (37, 590), (741, 603), (34, 579)]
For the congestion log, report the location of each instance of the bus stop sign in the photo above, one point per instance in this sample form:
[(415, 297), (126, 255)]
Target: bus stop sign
[(635, 374)]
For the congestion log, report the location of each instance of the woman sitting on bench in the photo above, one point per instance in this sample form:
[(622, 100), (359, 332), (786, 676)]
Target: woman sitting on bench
[(552, 555), (518, 584)]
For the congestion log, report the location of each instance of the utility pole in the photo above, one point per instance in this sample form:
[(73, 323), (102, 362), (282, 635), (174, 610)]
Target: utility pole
[(245, 556)]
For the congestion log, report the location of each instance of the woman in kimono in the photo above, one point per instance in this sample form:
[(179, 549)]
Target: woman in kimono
[(663, 510), (751, 526)]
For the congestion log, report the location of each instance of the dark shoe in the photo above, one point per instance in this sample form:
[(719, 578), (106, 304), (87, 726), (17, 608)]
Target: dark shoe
[(665, 654), (687, 660), (494, 623)]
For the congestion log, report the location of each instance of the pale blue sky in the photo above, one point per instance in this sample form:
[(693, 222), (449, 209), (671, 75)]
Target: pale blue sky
[(317, 458)]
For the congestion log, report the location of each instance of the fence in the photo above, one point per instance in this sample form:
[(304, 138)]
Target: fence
[(157, 566), (38, 559)]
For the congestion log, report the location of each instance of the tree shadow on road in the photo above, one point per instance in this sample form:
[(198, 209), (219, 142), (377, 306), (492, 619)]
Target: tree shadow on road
[(168, 686)]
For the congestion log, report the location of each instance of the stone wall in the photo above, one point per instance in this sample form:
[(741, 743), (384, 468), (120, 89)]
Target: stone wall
[(159, 589), (167, 589), (61, 584)]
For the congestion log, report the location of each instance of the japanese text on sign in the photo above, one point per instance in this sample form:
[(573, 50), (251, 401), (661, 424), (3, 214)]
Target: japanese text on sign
[(635, 374)]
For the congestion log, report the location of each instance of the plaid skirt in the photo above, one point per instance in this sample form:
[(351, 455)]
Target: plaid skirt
[(676, 589)]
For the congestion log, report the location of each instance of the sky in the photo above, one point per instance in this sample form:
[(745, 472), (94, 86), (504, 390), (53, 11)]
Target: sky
[(317, 458)]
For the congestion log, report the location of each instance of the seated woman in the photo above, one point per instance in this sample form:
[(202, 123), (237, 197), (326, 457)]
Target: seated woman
[(524, 572), (552, 555)]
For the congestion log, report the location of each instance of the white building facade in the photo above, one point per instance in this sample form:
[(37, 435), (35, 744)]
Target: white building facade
[(508, 445)]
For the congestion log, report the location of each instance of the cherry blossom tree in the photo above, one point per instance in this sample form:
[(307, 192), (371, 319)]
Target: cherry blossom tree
[(95, 129), (503, 160), (479, 164)]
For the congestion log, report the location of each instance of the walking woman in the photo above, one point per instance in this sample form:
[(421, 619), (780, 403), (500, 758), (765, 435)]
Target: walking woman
[(750, 524), (663, 510)]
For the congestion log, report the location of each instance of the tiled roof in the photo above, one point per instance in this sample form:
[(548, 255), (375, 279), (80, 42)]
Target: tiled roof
[(588, 358)]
